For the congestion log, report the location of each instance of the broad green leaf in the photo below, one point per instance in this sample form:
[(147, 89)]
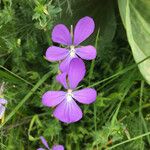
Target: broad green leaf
[(135, 15)]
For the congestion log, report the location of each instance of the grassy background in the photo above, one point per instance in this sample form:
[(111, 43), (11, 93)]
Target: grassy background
[(119, 119)]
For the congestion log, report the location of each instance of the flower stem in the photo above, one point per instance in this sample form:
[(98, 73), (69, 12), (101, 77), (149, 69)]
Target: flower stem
[(93, 61), (71, 32)]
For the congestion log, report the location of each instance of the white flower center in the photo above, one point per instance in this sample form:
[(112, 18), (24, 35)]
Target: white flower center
[(72, 51), (69, 95)]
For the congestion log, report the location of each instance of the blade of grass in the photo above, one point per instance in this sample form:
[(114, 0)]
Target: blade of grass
[(137, 137), (140, 111), (120, 72), (114, 118), (93, 61), (130, 140), (39, 83), (15, 75), (90, 77), (23, 121)]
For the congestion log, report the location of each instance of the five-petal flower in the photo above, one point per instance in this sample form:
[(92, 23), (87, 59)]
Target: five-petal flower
[(60, 34), (55, 147), (67, 109)]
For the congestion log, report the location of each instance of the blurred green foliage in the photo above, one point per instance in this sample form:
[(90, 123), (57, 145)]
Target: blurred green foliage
[(121, 111)]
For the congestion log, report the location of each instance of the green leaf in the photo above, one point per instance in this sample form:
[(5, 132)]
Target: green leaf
[(135, 15)]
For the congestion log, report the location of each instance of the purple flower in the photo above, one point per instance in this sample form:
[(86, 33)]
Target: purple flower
[(55, 147), (61, 34), (67, 109), (2, 107)]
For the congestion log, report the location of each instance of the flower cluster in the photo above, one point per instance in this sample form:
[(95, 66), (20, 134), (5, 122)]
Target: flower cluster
[(72, 70)]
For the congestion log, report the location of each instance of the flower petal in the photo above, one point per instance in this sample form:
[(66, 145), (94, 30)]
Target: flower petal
[(68, 111), (61, 34), (61, 78), (44, 142), (86, 52), (55, 53), (57, 147), (3, 101), (85, 96), (2, 111), (64, 65), (40, 149), (53, 98), (83, 29), (76, 72)]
